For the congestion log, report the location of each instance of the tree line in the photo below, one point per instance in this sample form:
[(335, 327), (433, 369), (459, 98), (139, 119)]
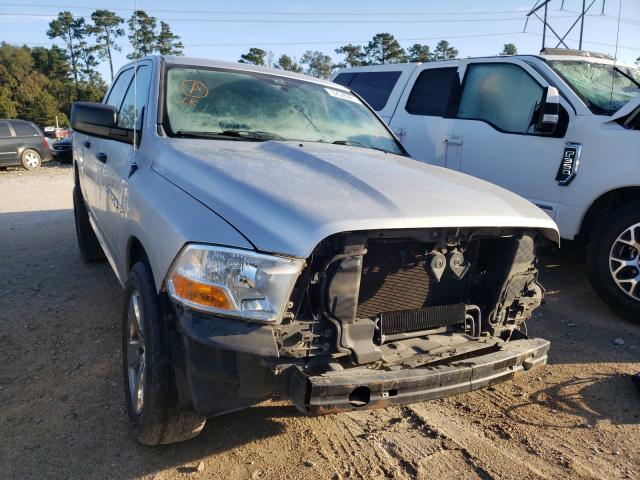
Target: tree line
[(40, 84), (383, 48)]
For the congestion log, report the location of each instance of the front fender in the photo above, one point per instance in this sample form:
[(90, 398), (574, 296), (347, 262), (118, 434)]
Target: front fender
[(164, 218)]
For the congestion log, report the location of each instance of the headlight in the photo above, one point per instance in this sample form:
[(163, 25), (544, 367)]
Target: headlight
[(236, 283)]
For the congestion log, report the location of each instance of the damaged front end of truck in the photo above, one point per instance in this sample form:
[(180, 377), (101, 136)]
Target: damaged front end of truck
[(377, 318)]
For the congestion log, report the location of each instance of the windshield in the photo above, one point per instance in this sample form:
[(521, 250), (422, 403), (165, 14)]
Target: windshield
[(254, 106), (604, 88)]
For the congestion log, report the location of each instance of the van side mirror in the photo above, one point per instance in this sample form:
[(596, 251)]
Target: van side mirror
[(547, 113), (99, 120)]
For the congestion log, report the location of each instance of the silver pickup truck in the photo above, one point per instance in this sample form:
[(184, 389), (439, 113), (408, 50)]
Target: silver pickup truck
[(273, 238)]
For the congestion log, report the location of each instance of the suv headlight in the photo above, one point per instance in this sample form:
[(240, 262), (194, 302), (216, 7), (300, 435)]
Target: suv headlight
[(235, 283)]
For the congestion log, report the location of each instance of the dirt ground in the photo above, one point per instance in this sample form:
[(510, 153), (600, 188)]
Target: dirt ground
[(62, 402)]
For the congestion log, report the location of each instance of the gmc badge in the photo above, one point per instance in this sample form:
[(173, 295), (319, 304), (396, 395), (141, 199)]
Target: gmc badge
[(569, 164)]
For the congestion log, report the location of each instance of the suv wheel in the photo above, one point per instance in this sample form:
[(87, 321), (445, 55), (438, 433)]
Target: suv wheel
[(613, 261), (90, 248), (30, 159), (151, 394)]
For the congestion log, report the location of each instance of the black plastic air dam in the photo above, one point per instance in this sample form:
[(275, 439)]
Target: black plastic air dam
[(334, 392)]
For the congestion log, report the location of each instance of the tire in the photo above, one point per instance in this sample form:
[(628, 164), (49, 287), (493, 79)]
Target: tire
[(30, 159), (615, 235), (154, 414), (90, 248)]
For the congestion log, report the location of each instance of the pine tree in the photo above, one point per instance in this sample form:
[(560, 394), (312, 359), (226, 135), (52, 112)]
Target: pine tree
[(167, 43), (419, 53), (509, 49), (384, 48), (254, 56), (285, 62), (318, 64), (106, 28), (142, 34), (73, 32), (444, 51), (355, 56)]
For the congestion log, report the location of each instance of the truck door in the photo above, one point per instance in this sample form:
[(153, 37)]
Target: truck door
[(90, 165), (420, 119), (117, 158), (491, 126)]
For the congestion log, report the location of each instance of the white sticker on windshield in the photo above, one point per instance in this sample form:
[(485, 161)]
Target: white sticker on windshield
[(341, 95)]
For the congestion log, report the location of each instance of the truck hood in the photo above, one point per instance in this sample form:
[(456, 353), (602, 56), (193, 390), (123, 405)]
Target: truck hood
[(286, 197), (627, 109)]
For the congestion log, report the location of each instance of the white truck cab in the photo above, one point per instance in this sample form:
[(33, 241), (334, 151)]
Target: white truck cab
[(475, 115)]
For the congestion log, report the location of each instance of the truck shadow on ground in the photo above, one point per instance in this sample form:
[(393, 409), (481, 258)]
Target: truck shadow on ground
[(580, 402)]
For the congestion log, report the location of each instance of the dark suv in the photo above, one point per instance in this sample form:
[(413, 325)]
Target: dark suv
[(22, 143)]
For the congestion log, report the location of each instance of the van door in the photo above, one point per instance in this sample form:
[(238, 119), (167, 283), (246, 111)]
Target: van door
[(8, 145), (420, 116), (493, 132), (117, 159)]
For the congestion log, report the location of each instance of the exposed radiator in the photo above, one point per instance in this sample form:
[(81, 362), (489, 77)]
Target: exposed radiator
[(395, 277), (404, 321)]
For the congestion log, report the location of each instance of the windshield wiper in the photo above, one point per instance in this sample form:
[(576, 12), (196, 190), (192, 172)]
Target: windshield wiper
[(240, 135), (355, 143), (252, 135)]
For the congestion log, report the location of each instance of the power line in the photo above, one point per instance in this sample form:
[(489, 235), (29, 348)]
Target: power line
[(287, 13), (315, 21), (345, 42)]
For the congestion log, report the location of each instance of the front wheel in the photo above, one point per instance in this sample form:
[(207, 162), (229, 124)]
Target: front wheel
[(30, 159), (151, 394), (613, 260)]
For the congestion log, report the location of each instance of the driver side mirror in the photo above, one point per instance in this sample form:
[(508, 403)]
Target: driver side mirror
[(99, 120), (547, 113)]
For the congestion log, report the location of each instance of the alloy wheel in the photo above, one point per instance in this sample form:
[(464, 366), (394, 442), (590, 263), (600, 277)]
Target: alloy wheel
[(136, 358), (624, 261)]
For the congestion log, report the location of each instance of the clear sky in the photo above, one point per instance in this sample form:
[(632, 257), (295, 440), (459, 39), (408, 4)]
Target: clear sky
[(225, 30)]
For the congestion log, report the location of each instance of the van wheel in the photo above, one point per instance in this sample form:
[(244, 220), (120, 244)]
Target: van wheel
[(30, 159), (151, 394), (90, 248), (613, 261)]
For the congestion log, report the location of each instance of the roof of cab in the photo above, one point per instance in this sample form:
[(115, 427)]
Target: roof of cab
[(554, 54), (246, 67)]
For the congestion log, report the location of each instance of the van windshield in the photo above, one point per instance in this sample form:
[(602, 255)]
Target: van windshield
[(605, 88), (243, 105)]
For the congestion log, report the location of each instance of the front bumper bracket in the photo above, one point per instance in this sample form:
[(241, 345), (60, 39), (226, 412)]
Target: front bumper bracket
[(362, 388)]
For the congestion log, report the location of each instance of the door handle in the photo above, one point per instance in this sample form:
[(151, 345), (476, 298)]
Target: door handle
[(453, 140), (87, 144), (102, 157)]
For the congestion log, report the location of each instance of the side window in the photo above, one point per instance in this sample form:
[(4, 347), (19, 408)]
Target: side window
[(4, 130), (502, 94), (135, 99), (119, 88), (374, 87), (24, 129), (344, 79), (430, 94)]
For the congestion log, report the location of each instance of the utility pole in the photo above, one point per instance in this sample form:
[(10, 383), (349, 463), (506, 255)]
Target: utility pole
[(544, 28), (539, 4), (582, 23)]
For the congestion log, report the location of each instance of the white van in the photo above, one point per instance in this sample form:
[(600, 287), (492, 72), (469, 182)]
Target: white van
[(475, 115)]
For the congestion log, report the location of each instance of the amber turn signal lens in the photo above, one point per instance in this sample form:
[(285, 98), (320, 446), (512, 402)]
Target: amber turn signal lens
[(200, 293)]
